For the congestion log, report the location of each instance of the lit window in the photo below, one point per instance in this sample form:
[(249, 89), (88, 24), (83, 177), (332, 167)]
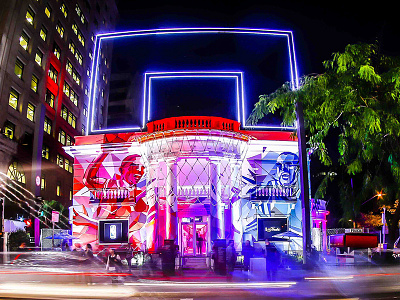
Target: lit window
[(24, 40), (71, 119), (72, 47), (30, 112), (30, 16), (104, 76), (13, 99), (9, 130), (56, 51), (42, 183), (47, 11), (49, 98), (46, 152), (64, 112), (53, 73), (78, 33), (78, 10), (86, 90), (66, 164), (62, 136), (83, 130), (34, 83), (79, 57), (43, 33), (19, 68), (39, 57), (76, 77), (58, 189), (85, 110), (75, 28), (91, 55), (70, 194), (66, 89), (74, 97), (47, 125), (68, 141), (102, 93), (69, 67), (60, 29), (16, 172), (64, 10)]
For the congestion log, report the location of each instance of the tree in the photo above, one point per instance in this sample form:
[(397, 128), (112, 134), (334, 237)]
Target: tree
[(356, 104), (52, 205), (16, 238)]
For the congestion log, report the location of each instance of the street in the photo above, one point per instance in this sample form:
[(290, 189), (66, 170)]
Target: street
[(332, 283)]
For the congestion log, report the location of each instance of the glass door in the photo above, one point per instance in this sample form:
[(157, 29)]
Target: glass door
[(187, 239), (201, 239)]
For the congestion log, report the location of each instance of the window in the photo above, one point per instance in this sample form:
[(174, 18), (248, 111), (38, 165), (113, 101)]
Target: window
[(90, 55), (19, 68), (79, 57), (60, 161), (61, 136), (70, 194), (68, 165), (13, 99), (47, 125), (83, 130), (70, 93), (56, 51), (85, 110), (53, 73), (86, 90), (43, 183), (68, 142), (43, 33), (104, 76), (64, 9), (34, 83), (71, 119), (39, 57), (16, 172), (30, 112), (69, 67), (102, 93), (80, 14), (78, 33), (46, 152), (64, 112), (9, 130), (49, 98), (47, 11), (30, 16), (58, 189), (60, 29), (76, 77), (75, 52), (24, 40)]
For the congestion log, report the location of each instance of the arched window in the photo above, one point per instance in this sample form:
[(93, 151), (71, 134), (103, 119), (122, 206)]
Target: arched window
[(16, 172)]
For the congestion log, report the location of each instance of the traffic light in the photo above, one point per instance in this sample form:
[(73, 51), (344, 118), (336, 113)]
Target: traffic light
[(28, 222)]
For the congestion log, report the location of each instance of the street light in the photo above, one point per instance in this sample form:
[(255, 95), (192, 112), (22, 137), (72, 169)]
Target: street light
[(379, 195)]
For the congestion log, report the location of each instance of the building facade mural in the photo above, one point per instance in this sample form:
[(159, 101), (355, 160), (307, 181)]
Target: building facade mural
[(193, 185)]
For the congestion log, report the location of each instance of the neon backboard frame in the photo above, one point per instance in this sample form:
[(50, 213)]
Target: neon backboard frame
[(241, 113)]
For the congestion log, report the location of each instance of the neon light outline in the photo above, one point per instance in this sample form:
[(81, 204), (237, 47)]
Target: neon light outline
[(238, 76), (122, 34)]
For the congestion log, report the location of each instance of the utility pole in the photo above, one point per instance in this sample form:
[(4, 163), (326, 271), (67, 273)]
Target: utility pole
[(304, 185)]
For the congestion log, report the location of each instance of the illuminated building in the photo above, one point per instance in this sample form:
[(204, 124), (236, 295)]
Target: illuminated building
[(46, 52), (192, 179)]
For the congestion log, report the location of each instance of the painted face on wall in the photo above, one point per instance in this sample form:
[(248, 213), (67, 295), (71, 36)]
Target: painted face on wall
[(131, 171), (286, 168)]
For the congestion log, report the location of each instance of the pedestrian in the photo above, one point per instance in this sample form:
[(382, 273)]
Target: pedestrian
[(248, 252), (113, 264), (230, 259), (89, 251), (67, 247), (272, 260), (78, 250), (129, 256)]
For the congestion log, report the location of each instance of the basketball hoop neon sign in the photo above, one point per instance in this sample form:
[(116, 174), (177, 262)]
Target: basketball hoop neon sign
[(149, 76)]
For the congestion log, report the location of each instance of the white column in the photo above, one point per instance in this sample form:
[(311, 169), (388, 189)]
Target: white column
[(236, 205), (217, 207), (171, 209), (151, 197)]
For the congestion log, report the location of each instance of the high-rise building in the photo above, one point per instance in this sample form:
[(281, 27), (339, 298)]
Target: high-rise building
[(46, 51)]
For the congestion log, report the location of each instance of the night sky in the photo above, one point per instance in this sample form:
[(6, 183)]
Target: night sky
[(320, 27)]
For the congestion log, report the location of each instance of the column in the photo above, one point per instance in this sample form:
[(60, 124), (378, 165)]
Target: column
[(171, 204), (236, 205), (217, 207), (151, 197)]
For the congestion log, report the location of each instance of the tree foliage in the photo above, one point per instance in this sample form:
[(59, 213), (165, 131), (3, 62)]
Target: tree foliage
[(357, 99)]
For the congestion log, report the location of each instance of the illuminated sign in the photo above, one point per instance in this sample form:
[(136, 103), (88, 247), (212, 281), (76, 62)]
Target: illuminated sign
[(238, 76), (268, 227), (113, 231)]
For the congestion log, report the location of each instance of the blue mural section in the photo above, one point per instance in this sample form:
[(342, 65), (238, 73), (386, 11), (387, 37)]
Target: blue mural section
[(271, 206)]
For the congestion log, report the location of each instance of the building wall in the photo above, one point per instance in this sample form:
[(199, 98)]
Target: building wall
[(29, 138), (110, 183)]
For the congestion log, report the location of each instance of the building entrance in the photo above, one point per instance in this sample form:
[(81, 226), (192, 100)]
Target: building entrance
[(194, 236)]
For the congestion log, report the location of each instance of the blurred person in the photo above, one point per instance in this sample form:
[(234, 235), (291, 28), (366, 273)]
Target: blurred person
[(129, 256), (248, 252), (78, 250), (113, 262), (67, 247), (89, 251), (231, 257), (272, 260)]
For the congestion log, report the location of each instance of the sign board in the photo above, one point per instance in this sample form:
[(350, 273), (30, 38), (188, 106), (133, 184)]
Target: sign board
[(268, 227), (55, 216)]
